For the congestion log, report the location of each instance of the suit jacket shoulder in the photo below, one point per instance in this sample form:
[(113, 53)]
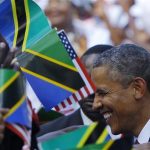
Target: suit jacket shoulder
[(61, 123)]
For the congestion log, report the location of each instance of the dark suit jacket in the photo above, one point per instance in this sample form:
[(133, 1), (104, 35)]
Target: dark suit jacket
[(61, 123), (12, 141)]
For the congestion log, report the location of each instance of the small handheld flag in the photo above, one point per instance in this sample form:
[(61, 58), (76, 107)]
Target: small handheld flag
[(53, 73)]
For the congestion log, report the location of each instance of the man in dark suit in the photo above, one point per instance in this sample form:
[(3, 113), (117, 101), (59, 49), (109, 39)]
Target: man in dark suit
[(122, 78)]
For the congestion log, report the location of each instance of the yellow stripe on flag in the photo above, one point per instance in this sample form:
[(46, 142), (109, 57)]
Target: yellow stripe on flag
[(108, 145), (86, 135), (15, 106), (102, 137), (50, 59), (12, 79), (27, 24), (13, 4), (48, 80)]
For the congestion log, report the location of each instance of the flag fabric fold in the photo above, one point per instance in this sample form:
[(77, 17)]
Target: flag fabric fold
[(22, 22)]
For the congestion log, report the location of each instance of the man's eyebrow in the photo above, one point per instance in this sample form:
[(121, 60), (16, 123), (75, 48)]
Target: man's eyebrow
[(101, 90)]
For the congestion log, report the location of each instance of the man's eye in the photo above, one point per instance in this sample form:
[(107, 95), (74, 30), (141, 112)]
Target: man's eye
[(102, 93)]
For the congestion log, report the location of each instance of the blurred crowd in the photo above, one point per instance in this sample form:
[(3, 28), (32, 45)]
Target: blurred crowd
[(90, 22)]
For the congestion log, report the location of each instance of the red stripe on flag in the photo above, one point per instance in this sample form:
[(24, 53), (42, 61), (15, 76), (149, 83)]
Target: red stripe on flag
[(87, 90), (75, 98), (13, 129), (63, 104), (85, 73), (69, 101), (57, 108), (81, 94)]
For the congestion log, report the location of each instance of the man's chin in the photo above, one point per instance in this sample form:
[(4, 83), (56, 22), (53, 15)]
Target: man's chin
[(115, 131)]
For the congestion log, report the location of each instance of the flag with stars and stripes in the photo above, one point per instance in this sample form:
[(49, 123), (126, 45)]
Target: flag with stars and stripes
[(88, 88), (55, 75)]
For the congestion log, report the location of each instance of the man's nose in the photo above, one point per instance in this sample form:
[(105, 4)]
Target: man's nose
[(97, 104)]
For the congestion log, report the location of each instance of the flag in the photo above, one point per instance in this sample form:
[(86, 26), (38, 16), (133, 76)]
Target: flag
[(52, 73), (85, 90), (22, 22), (78, 138), (102, 146), (12, 96)]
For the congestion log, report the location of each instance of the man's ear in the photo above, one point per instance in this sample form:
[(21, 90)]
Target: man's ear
[(139, 87)]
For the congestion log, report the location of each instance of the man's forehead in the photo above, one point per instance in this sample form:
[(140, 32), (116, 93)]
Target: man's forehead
[(98, 71)]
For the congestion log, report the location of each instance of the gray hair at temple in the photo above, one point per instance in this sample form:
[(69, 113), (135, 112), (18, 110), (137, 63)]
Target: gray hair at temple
[(125, 62)]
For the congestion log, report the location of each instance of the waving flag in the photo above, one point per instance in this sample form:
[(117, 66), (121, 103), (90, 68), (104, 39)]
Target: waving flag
[(78, 138), (22, 22), (88, 87), (53, 74), (12, 96)]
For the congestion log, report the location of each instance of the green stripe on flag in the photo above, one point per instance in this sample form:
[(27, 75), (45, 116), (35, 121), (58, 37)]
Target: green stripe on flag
[(65, 141), (39, 24), (6, 78), (102, 146), (9, 88), (51, 46)]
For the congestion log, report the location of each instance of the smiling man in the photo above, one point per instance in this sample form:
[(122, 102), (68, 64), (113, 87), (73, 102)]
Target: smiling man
[(122, 78)]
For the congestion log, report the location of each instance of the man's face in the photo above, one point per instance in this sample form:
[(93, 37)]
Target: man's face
[(58, 11), (115, 102)]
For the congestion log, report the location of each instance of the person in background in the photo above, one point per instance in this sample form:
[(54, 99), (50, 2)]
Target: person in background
[(60, 14)]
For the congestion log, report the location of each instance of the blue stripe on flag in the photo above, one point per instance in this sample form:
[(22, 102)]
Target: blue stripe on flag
[(49, 94), (6, 21), (108, 137), (20, 116)]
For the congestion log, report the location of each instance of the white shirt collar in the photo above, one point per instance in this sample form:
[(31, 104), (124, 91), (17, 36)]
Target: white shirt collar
[(85, 119), (144, 135)]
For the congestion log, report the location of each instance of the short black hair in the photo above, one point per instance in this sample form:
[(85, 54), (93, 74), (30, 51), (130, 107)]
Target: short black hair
[(128, 61), (97, 49)]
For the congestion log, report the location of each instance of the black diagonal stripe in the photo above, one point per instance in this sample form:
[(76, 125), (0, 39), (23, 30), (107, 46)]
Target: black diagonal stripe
[(96, 133), (124, 143), (21, 16), (12, 94), (52, 71)]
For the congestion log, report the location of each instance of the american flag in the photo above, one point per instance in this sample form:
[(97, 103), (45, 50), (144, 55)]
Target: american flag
[(89, 87)]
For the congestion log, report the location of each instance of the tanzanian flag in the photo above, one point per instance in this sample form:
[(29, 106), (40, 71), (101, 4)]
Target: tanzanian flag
[(22, 22), (77, 138), (12, 96), (54, 72)]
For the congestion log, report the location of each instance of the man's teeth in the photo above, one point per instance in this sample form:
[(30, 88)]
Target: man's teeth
[(107, 115)]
